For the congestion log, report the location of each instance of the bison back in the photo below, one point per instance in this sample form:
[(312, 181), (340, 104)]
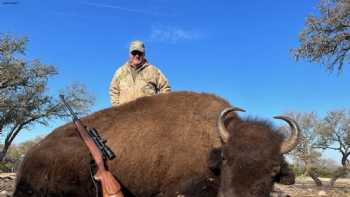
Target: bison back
[(159, 141)]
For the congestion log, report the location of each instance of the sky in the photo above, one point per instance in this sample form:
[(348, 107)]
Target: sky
[(239, 50)]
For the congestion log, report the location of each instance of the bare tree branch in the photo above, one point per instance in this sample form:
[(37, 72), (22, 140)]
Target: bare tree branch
[(325, 38), (23, 99)]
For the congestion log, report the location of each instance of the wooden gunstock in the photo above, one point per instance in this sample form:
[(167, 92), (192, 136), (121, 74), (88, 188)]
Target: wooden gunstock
[(110, 186)]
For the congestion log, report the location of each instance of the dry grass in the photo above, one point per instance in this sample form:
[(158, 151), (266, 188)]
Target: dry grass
[(305, 187), (7, 184)]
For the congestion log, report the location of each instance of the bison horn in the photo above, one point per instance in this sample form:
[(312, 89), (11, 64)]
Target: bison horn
[(224, 134), (292, 141)]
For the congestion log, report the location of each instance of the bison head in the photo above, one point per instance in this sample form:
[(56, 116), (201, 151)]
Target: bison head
[(251, 159)]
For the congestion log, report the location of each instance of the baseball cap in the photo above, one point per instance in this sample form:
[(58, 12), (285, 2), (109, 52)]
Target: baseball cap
[(137, 45)]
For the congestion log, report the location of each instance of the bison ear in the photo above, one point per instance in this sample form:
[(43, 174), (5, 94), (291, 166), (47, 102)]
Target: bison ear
[(215, 160)]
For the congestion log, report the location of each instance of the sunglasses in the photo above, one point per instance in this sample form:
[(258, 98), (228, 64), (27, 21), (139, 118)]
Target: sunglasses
[(136, 53)]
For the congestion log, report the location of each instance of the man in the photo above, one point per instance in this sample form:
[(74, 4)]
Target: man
[(136, 78)]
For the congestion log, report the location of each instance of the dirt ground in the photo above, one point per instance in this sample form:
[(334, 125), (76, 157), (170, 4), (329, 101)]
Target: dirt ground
[(304, 187), (7, 184)]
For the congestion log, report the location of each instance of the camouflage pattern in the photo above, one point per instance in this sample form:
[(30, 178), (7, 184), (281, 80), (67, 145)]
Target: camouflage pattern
[(129, 84), (137, 46)]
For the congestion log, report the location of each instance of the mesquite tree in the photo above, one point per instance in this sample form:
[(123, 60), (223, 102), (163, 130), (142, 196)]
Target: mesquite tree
[(306, 151), (326, 37), (335, 135), (330, 132), (24, 101)]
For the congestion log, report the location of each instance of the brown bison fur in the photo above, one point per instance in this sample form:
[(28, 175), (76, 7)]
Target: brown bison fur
[(252, 154), (250, 159), (207, 186), (159, 141)]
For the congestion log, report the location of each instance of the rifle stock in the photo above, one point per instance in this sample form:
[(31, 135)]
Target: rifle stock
[(110, 186)]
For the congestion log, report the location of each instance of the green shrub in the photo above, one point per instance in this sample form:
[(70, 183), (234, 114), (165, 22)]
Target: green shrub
[(7, 167)]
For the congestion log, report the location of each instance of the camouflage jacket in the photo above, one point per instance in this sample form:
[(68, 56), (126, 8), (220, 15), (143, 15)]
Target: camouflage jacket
[(129, 84)]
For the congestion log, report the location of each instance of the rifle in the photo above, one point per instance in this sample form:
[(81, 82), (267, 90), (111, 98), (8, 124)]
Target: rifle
[(110, 186)]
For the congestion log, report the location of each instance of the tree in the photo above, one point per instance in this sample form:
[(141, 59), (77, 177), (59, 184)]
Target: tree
[(326, 167), (23, 92), (326, 38), (16, 153), (306, 152), (335, 135)]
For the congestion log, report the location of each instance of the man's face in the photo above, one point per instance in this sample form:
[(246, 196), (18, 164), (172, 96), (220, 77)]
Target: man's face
[(136, 58)]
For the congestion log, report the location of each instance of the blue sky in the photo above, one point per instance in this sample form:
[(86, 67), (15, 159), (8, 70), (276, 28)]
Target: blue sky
[(239, 50)]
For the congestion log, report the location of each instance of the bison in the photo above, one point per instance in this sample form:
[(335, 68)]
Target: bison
[(246, 165), (161, 142)]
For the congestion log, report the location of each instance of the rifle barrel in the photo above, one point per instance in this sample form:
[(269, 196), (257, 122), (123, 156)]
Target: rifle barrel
[(75, 117)]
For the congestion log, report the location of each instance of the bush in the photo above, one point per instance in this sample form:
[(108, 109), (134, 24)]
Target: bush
[(7, 167), (298, 171), (324, 172), (15, 154)]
